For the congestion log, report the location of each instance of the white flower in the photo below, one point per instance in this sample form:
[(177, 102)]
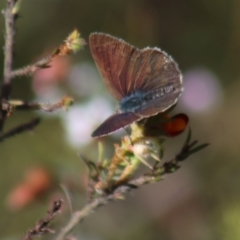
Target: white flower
[(82, 119)]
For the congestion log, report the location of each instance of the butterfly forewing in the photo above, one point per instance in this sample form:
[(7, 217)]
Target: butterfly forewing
[(113, 57)]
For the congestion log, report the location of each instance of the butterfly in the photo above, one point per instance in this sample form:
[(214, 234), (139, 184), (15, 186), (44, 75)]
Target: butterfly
[(145, 82)]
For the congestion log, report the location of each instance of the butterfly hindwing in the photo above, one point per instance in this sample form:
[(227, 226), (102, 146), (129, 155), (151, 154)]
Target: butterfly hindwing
[(114, 123)]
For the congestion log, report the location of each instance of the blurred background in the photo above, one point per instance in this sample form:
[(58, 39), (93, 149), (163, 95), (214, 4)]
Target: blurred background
[(202, 199)]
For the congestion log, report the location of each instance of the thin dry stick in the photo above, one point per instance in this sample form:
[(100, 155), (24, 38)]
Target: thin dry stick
[(10, 18), (78, 216), (12, 105), (9, 40), (28, 126), (117, 193), (72, 44), (42, 226)]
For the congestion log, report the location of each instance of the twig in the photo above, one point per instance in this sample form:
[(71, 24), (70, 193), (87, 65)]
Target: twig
[(11, 105), (122, 188), (42, 226), (72, 44), (10, 18), (9, 40), (67, 195), (20, 129), (78, 216), (31, 69)]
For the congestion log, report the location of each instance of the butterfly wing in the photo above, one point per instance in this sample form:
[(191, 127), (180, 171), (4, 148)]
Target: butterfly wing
[(160, 77), (125, 69), (114, 123), (157, 69), (156, 106), (115, 60)]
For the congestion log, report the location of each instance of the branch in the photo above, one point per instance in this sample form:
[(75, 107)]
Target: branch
[(72, 44), (11, 105), (78, 216), (20, 129), (121, 187), (42, 226), (10, 19)]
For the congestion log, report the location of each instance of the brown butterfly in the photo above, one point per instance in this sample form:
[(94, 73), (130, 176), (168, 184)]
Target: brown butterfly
[(145, 82)]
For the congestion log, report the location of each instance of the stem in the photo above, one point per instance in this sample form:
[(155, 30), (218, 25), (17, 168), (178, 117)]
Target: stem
[(155, 175), (78, 216), (9, 40), (8, 53), (28, 126)]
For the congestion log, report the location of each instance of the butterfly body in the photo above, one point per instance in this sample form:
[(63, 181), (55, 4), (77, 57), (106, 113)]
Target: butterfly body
[(133, 102), (139, 99), (145, 82)]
